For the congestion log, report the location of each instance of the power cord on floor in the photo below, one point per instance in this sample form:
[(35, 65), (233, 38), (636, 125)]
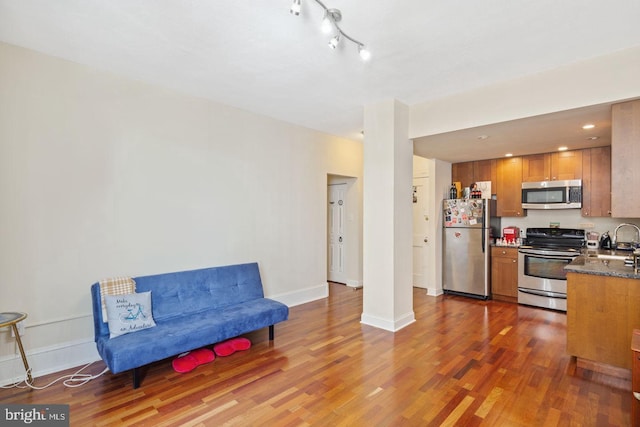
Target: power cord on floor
[(74, 380)]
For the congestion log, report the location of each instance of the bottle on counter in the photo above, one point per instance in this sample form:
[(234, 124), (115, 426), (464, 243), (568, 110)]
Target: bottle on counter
[(453, 192)]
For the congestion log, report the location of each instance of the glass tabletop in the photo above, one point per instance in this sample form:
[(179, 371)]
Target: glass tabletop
[(11, 317)]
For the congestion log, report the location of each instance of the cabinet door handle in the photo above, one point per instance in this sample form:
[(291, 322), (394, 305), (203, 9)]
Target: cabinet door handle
[(513, 260), (636, 395)]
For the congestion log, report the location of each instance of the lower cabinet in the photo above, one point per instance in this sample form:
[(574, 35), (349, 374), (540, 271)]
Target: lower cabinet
[(602, 312), (635, 378), (504, 273)]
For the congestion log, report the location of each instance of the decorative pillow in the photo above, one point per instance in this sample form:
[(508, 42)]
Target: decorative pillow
[(129, 313)]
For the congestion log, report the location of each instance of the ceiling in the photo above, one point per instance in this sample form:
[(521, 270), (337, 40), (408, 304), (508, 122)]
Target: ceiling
[(256, 56), (540, 134)]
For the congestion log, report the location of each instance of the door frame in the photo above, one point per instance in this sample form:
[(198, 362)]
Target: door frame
[(352, 228)]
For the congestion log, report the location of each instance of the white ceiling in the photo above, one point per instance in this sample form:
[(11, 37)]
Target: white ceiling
[(255, 55), (539, 134)]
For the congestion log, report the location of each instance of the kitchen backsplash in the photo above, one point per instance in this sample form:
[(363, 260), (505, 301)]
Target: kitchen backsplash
[(570, 218)]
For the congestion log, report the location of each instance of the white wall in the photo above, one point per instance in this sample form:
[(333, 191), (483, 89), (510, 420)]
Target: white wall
[(103, 176), (595, 81)]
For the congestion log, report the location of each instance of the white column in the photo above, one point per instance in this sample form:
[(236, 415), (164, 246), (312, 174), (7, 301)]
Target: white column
[(387, 217)]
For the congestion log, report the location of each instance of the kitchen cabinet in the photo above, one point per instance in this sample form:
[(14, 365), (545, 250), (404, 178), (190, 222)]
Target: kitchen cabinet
[(462, 173), (602, 312), (552, 166), (469, 172), (635, 378), (509, 187), (596, 182), (504, 273), (625, 152)]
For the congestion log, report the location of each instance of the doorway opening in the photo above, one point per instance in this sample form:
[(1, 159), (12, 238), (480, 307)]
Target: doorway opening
[(344, 231)]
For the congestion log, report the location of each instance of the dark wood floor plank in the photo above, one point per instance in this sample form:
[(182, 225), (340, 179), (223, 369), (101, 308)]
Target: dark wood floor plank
[(463, 362)]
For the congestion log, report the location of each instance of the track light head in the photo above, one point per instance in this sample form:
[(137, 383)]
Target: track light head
[(364, 53), (331, 17), (295, 7), (333, 43)]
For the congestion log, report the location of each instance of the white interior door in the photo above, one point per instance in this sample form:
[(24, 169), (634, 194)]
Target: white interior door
[(336, 238), (421, 238)]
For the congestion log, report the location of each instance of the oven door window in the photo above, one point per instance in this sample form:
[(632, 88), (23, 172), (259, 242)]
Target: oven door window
[(546, 268)]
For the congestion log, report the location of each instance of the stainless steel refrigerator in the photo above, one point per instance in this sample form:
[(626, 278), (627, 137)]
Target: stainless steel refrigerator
[(469, 225)]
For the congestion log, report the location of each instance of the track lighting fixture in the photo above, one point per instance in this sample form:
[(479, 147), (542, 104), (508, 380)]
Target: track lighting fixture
[(329, 24)]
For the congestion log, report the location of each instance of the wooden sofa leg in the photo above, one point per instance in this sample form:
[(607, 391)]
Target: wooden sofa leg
[(271, 332), (136, 378)]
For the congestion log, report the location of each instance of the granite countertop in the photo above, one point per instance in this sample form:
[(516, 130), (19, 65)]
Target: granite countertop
[(589, 263)]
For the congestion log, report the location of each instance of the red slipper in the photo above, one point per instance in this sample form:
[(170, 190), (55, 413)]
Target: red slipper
[(241, 343), (191, 360), (204, 355), (186, 363), (229, 347)]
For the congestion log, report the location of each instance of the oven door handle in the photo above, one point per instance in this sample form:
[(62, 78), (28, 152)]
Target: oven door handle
[(533, 254), (543, 293)]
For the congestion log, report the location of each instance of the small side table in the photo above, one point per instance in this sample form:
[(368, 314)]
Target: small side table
[(11, 319)]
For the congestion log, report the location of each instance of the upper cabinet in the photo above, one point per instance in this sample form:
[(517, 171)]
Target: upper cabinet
[(625, 152), (552, 166), (484, 170), (596, 182), (462, 173), (469, 172), (509, 187)]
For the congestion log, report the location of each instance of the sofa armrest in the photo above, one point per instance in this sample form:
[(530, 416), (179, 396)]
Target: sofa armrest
[(100, 327)]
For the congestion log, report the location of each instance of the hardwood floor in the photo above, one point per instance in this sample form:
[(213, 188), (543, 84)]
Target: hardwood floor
[(463, 362)]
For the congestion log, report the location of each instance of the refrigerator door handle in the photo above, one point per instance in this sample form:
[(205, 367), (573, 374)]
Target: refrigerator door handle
[(484, 223)]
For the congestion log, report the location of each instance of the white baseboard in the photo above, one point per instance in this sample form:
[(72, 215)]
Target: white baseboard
[(388, 325), (292, 299), (48, 360), (434, 292), (354, 283)]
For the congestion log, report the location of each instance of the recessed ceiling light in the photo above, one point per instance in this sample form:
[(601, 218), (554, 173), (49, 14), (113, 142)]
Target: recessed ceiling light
[(588, 126), (593, 138), (563, 148), (508, 155)]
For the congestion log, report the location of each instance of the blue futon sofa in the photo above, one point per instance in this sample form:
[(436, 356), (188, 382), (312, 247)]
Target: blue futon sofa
[(191, 309)]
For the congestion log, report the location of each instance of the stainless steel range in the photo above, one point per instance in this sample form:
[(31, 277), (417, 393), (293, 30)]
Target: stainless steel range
[(542, 280)]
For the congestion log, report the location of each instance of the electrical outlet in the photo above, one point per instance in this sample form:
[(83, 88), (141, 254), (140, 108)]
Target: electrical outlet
[(21, 329)]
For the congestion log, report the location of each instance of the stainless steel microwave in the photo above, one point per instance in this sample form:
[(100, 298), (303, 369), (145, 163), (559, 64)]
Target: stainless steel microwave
[(565, 194)]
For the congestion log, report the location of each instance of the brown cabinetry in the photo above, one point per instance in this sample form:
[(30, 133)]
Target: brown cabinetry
[(602, 312), (552, 166), (469, 172), (462, 173), (504, 273), (596, 182), (635, 378), (625, 152), (509, 187)]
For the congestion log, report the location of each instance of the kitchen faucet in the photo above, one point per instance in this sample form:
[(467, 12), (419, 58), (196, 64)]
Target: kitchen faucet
[(614, 240)]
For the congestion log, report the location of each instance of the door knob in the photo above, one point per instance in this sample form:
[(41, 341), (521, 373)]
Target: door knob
[(426, 240), (340, 239)]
